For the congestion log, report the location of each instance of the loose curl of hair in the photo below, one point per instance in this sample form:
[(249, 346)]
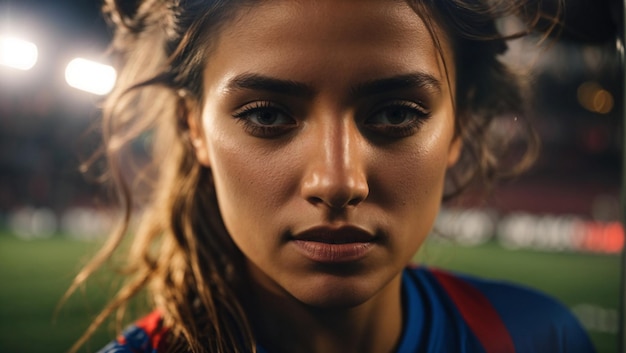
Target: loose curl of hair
[(180, 250)]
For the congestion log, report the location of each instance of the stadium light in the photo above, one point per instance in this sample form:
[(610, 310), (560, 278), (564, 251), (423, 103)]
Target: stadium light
[(90, 76), (17, 53)]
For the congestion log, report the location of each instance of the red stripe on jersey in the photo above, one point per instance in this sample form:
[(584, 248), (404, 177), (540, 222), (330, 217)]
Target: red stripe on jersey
[(153, 326), (481, 317)]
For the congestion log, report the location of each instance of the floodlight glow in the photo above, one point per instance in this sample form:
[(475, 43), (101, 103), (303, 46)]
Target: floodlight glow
[(90, 76), (18, 54)]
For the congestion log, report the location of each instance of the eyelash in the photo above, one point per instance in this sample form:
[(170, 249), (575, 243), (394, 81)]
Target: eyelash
[(246, 114), (418, 114)]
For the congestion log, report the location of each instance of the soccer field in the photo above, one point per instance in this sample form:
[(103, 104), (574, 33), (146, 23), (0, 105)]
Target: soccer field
[(35, 274)]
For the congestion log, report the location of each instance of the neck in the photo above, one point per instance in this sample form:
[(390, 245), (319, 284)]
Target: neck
[(284, 324)]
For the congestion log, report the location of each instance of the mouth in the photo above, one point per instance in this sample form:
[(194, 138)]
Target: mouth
[(334, 245)]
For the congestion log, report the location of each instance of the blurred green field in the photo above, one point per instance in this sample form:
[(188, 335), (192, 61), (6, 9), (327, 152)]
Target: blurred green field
[(35, 274)]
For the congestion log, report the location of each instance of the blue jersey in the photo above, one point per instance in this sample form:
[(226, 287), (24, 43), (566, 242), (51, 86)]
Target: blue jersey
[(444, 313), (452, 313)]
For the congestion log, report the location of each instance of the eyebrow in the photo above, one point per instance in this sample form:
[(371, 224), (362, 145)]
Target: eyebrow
[(257, 82), (400, 82), (251, 81)]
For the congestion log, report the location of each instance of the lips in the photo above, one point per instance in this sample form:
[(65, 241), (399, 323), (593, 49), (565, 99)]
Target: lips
[(334, 245), (342, 235)]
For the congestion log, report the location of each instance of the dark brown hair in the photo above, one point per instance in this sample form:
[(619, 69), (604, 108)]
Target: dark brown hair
[(187, 260)]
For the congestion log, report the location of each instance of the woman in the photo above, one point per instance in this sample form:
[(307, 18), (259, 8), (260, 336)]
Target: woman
[(302, 150)]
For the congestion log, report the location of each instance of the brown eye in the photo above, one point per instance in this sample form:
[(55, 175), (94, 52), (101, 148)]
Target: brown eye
[(263, 119), (394, 116), (398, 119)]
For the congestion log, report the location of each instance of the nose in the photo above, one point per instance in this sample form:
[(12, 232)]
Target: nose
[(336, 175)]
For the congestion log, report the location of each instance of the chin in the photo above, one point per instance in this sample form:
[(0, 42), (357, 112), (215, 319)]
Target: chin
[(335, 301), (337, 292)]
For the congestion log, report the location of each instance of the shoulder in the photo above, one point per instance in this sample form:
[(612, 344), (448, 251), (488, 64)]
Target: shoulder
[(147, 335), (535, 321)]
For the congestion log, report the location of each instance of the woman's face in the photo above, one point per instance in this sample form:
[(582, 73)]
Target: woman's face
[(328, 127)]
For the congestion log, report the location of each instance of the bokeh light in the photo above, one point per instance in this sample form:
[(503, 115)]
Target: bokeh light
[(593, 97), (17, 53), (90, 76)]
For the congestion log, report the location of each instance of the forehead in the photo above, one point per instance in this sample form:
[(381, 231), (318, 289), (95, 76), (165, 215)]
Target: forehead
[(328, 42)]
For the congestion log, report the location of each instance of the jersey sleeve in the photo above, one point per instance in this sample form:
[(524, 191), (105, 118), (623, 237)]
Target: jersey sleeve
[(535, 321), (147, 335)]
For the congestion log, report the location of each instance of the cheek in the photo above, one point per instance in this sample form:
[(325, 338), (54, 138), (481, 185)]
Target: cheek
[(409, 183), (414, 173), (250, 181)]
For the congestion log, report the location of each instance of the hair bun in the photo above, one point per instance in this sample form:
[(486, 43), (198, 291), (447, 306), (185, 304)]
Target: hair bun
[(121, 12), (136, 16)]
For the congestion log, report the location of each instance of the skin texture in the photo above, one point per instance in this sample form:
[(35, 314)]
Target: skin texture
[(324, 147)]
